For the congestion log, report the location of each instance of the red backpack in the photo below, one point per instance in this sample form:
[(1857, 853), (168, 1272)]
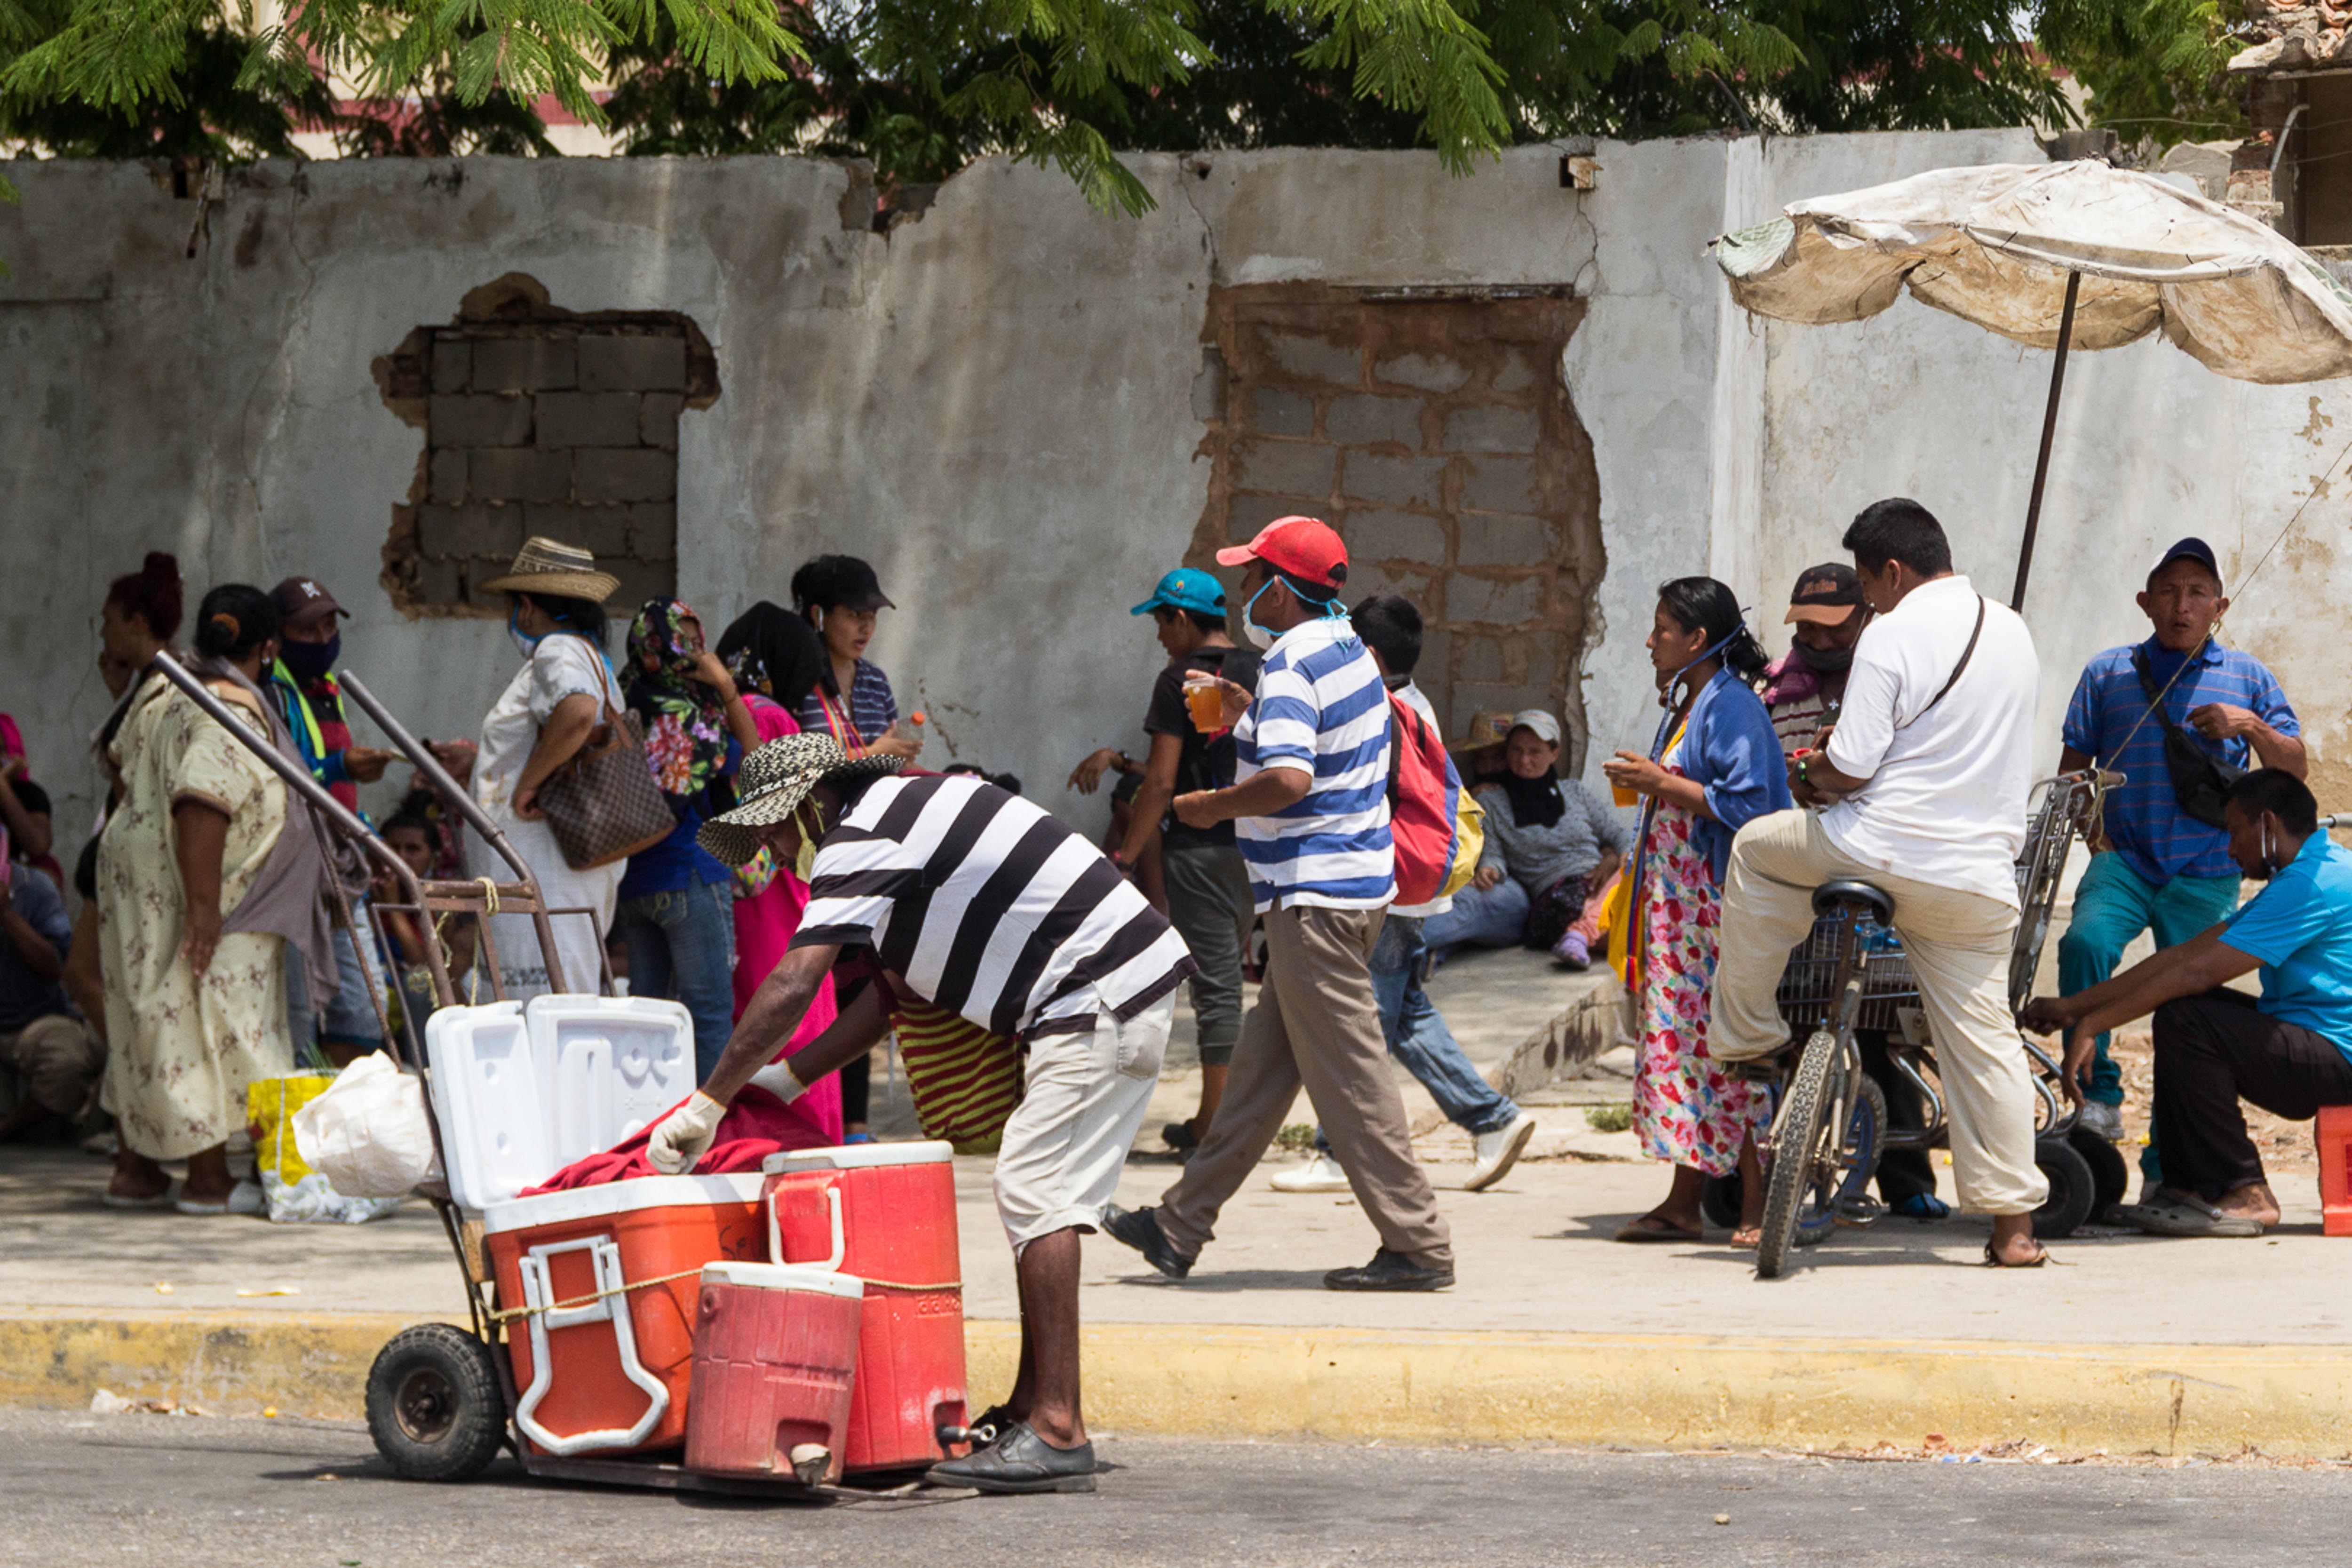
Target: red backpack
[(1437, 826)]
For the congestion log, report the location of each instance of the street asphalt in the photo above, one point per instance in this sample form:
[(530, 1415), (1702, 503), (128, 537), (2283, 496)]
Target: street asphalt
[(190, 1491)]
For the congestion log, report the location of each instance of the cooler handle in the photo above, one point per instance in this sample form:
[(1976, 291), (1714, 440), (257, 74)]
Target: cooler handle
[(840, 1235), (611, 1304)]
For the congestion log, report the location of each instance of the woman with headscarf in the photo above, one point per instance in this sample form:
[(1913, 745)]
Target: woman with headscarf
[(677, 913), (1714, 767), (206, 877), (776, 660)]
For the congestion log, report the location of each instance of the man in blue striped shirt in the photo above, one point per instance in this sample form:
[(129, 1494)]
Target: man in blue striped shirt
[(1310, 807), (2163, 869)]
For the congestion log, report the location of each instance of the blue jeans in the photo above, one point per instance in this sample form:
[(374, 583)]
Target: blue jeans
[(681, 946), (1417, 1036), (2113, 905), (349, 1018), (1481, 917)]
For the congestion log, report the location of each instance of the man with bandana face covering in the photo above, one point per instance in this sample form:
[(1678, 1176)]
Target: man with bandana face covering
[(2289, 1051), (1804, 687)]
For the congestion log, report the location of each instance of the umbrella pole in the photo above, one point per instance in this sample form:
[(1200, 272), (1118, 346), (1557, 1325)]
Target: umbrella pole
[(2049, 429)]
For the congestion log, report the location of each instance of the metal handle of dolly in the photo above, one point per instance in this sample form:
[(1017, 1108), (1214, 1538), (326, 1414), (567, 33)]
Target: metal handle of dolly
[(476, 818), (611, 1304), (313, 794)]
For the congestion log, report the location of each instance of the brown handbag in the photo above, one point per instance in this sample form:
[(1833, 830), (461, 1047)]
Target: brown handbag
[(602, 805)]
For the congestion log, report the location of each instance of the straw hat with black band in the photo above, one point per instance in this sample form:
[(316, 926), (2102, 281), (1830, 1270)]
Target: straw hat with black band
[(558, 571), (773, 781)]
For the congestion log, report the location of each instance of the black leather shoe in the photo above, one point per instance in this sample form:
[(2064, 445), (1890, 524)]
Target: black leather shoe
[(1390, 1271), (1139, 1228), (1020, 1461)]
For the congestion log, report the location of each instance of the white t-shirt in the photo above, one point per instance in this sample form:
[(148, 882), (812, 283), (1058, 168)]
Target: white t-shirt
[(1948, 786)]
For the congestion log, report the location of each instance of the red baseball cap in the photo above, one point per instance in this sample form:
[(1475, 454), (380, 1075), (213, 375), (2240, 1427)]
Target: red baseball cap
[(1302, 546)]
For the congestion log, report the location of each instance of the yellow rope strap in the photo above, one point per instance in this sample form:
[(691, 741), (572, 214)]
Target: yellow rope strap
[(509, 1314)]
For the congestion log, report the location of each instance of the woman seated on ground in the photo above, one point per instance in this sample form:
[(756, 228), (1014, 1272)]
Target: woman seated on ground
[(1715, 768), (1551, 847)]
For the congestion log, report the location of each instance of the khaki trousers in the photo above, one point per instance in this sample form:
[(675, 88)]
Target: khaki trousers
[(1958, 944), (1315, 1024)]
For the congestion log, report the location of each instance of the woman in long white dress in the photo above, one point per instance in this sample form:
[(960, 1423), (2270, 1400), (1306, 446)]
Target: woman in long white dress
[(196, 993), (539, 723)]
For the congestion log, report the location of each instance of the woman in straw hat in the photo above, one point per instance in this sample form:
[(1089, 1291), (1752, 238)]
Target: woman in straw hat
[(556, 617)]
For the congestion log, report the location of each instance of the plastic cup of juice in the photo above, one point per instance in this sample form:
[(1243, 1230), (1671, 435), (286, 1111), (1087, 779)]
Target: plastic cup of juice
[(1208, 703)]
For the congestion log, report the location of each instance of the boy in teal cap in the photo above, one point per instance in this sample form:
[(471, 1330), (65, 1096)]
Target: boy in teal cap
[(1202, 880)]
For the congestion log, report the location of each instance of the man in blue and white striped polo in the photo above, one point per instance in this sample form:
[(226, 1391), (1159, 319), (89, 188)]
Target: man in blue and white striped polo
[(2163, 869), (1309, 805)]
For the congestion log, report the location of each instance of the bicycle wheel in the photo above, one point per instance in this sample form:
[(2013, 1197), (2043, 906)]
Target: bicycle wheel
[(1803, 1149), (1857, 1157)]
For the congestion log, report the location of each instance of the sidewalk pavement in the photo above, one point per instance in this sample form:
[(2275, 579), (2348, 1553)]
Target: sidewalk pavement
[(1552, 1334)]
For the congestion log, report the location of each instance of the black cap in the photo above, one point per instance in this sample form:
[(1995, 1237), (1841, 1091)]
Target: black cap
[(838, 581), (1826, 594), (2189, 549)]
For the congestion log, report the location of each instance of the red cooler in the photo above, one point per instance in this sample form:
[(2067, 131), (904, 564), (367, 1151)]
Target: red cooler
[(886, 1213), (607, 1376), (775, 1350)]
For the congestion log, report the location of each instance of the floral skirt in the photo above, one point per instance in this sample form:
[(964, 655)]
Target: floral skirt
[(1685, 1108)]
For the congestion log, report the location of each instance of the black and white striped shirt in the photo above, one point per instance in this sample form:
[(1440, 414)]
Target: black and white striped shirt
[(989, 908)]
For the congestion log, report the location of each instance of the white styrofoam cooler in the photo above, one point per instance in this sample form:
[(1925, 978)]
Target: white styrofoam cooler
[(522, 1089)]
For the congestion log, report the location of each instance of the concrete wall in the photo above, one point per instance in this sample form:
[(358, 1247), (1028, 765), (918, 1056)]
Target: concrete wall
[(996, 403)]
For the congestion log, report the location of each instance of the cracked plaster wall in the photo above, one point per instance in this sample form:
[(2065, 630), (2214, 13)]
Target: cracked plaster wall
[(995, 405)]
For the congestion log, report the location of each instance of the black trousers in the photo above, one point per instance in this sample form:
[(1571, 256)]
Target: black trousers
[(1902, 1173), (2212, 1051)]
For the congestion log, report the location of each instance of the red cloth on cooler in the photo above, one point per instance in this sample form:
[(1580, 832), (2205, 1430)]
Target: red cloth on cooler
[(756, 1126)]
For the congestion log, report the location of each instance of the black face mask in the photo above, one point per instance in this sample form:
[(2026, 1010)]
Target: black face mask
[(1824, 661), (309, 662)]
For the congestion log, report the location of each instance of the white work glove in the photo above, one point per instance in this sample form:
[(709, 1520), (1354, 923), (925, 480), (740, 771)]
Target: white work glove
[(779, 1080), (683, 1137)]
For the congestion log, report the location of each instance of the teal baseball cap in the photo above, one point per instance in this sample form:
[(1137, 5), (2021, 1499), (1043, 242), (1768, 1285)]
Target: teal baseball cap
[(1186, 588)]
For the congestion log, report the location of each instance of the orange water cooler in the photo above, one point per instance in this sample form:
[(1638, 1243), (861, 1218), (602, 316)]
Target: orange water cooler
[(886, 1213), (603, 1362)]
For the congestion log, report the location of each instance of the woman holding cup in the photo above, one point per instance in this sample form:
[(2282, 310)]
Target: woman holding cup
[(1715, 766)]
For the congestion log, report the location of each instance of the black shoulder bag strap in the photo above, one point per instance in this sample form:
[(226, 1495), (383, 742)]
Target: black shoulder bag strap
[(1967, 654), (2200, 782)]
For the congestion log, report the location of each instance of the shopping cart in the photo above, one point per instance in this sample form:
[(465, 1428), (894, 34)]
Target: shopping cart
[(1851, 976)]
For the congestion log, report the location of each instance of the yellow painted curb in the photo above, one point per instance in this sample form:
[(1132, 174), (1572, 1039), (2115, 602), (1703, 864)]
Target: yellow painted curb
[(1358, 1385)]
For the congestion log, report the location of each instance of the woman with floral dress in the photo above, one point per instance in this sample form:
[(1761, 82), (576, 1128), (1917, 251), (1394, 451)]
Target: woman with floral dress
[(677, 912), (1716, 766)]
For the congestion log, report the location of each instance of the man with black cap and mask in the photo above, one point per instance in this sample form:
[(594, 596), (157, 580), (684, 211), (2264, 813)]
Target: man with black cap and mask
[(1804, 687), (2180, 715), (302, 683)]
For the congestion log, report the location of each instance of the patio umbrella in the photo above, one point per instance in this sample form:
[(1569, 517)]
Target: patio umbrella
[(2056, 256)]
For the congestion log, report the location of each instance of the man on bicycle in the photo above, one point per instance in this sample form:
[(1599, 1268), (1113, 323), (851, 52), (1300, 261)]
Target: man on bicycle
[(1922, 791)]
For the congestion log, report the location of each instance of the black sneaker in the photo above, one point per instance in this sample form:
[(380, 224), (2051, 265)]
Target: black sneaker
[(1139, 1228), (1390, 1271), (1020, 1461)]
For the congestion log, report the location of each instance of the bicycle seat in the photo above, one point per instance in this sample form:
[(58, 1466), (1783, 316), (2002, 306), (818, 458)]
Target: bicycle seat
[(1832, 897)]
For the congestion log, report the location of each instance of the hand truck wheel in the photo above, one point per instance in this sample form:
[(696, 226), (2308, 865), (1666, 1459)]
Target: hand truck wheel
[(434, 1405), (2071, 1188), (1719, 1200)]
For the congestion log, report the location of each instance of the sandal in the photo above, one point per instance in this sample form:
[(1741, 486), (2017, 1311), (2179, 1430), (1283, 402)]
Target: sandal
[(1747, 1237), (2190, 1217), (1650, 1227), (2041, 1255), (1924, 1207)]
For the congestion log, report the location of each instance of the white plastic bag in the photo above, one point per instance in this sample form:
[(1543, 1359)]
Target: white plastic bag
[(369, 1135)]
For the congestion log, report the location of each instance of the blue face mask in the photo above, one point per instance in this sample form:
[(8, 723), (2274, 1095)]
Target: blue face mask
[(524, 644)]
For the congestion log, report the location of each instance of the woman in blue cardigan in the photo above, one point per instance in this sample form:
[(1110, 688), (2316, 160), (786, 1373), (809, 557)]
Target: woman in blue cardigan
[(1716, 765)]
